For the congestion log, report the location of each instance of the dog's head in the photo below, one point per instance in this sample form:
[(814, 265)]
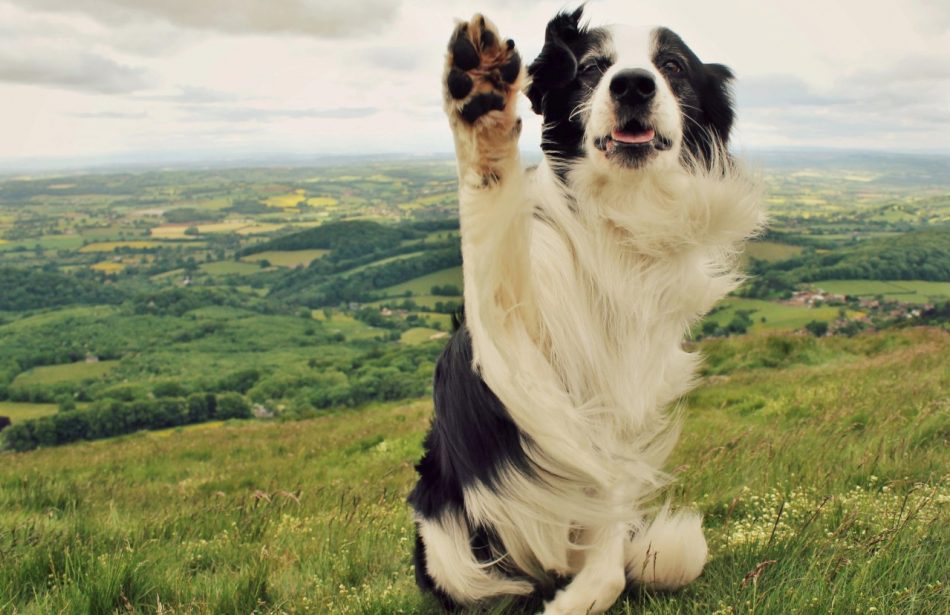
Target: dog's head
[(627, 97)]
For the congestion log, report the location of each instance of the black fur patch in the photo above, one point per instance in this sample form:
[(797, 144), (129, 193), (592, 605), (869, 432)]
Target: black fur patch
[(472, 437), (556, 83), (703, 91)]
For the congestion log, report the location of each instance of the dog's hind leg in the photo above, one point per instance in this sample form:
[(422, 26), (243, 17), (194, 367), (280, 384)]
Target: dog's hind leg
[(452, 566), (601, 578)]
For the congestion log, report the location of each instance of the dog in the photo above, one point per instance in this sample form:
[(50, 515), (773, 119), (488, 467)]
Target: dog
[(556, 397)]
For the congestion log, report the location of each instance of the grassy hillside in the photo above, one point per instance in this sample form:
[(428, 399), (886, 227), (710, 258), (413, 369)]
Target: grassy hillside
[(820, 464)]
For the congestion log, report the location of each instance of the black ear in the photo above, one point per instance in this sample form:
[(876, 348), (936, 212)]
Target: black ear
[(717, 99), (556, 65)]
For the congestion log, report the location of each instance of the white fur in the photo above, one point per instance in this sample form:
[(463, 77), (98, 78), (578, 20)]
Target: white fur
[(577, 303), (668, 554), (453, 566)]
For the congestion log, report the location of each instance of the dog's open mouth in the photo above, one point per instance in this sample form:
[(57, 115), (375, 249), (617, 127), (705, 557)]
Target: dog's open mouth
[(632, 138)]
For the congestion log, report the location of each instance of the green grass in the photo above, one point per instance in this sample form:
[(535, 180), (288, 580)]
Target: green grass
[(423, 284), (17, 411), (829, 475), (287, 258), (776, 315), (351, 328), (771, 250), (70, 372), (908, 291), (426, 300), (420, 335), (229, 268)]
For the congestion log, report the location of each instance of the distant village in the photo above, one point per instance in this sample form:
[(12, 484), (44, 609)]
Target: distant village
[(858, 313)]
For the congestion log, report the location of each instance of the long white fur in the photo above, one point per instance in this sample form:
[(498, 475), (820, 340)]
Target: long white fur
[(577, 304)]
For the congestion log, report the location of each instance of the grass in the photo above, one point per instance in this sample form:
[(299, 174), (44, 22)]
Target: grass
[(107, 267), (229, 268), (908, 291), (17, 411), (423, 284), (776, 315), (824, 486), (420, 335), (69, 372), (351, 328), (111, 246), (287, 258), (771, 250)]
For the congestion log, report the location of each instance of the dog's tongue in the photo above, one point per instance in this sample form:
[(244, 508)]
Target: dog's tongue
[(629, 137)]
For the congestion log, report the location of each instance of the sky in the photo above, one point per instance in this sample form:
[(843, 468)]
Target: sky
[(183, 80)]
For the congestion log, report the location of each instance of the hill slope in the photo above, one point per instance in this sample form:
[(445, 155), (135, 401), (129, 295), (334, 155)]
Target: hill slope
[(827, 456)]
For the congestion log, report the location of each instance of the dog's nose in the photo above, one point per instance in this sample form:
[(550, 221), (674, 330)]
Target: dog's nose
[(633, 86)]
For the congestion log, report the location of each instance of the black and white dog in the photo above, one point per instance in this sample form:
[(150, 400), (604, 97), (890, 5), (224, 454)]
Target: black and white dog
[(581, 278)]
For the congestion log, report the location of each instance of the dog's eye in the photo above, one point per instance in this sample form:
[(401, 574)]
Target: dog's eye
[(672, 67), (593, 68)]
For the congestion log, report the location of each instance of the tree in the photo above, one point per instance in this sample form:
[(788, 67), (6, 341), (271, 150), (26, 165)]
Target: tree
[(233, 406), (818, 328)]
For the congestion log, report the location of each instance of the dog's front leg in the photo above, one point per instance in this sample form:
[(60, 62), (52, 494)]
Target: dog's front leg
[(602, 577), (483, 77)]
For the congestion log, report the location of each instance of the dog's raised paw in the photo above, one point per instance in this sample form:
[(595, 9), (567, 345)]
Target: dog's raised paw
[(483, 72)]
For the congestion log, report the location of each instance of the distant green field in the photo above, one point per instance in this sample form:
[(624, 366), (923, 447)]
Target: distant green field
[(17, 411), (420, 335), (70, 372), (777, 315), (423, 285), (381, 261), (908, 291), (351, 328), (286, 258), (771, 250), (47, 242), (426, 301), (229, 268)]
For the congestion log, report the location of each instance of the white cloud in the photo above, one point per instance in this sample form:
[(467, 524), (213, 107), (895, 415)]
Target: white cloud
[(104, 77), (311, 17), (74, 70)]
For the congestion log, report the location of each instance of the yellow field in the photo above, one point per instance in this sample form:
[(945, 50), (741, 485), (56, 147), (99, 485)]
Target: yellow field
[(259, 228), (169, 231), (286, 258), (108, 267), (177, 231), (3, 241), (284, 201), (322, 201), (109, 246)]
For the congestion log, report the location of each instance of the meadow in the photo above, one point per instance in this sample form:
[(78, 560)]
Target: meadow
[(823, 479), (816, 445)]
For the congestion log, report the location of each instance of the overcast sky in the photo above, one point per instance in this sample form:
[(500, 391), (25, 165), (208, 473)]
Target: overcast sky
[(114, 79)]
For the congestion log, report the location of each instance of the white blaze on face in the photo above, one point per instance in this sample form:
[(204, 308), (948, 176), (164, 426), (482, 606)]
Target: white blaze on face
[(633, 48)]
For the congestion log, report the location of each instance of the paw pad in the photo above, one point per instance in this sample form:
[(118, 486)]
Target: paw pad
[(483, 69)]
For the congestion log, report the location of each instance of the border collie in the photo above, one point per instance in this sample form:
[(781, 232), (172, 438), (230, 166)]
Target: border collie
[(582, 276)]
